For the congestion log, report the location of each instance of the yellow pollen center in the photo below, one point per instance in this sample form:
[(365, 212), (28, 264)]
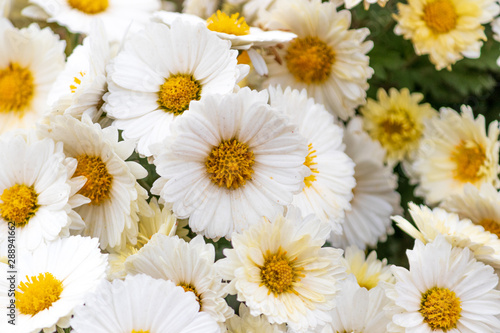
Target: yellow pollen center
[(440, 308), (177, 91), (279, 273), (309, 60), (98, 185), (38, 293), (310, 164), (244, 58), (233, 25), (230, 164), (189, 287), (16, 89), (19, 204), (76, 82), (491, 226), (440, 16), (90, 7), (140, 331), (469, 158)]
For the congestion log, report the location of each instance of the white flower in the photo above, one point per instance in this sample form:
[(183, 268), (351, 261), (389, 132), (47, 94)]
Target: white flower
[(111, 186), (280, 269), (79, 15), (328, 189), (445, 290), (245, 323), (30, 61), (160, 71), (327, 59), (51, 282), (232, 160), (456, 150), (36, 193), (460, 233), (189, 265), (141, 304), (358, 309), (368, 271), (375, 196)]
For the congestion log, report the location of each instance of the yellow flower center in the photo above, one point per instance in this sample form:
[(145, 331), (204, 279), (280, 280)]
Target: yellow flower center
[(189, 287), (309, 60), (440, 308), (38, 293), (469, 158), (177, 91), (279, 273), (19, 204), (16, 89), (233, 25), (140, 331), (98, 185), (440, 16), (230, 164), (309, 163), (90, 7), (491, 226), (397, 130), (77, 82), (244, 58)]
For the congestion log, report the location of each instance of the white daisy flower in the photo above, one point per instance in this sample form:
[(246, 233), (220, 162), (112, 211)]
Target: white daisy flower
[(51, 282), (141, 304), (233, 28), (115, 196), (375, 197), (358, 309), (460, 233), (327, 59), (232, 160), (281, 270), (481, 206), (36, 192), (30, 61), (368, 271), (189, 265), (445, 290), (328, 189), (456, 150), (160, 71), (80, 87), (79, 15), (245, 323)]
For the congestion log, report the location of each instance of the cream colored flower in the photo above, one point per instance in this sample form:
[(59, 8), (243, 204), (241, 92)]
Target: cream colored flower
[(446, 30), (368, 271), (327, 58), (245, 323)]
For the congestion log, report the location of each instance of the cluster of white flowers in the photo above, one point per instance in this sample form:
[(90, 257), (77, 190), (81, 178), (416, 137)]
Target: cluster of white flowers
[(176, 159)]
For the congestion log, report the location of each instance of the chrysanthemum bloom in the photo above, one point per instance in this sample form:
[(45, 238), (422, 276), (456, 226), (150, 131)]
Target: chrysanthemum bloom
[(368, 271), (358, 309), (161, 221), (160, 71), (245, 323), (396, 121), (375, 197), (232, 159), (189, 265), (79, 15), (80, 87), (328, 189), (445, 290), (111, 186), (461, 233), (480, 206), (30, 61), (141, 304), (446, 30), (36, 192), (280, 269), (327, 59), (455, 150), (52, 281)]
